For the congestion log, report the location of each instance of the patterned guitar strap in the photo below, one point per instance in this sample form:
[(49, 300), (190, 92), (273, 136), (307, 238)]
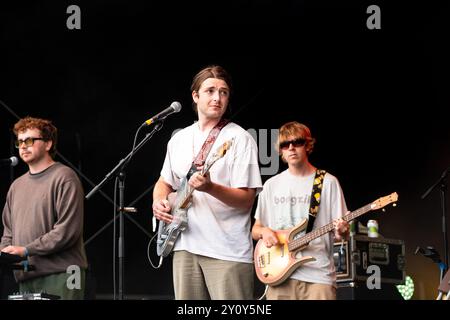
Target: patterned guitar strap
[(206, 147), (315, 198)]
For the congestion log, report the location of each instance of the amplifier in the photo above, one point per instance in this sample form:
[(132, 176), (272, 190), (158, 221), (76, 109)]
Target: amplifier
[(353, 257), (359, 291)]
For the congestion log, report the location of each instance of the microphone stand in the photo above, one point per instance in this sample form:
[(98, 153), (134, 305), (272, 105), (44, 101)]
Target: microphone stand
[(11, 168), (442, 183), (119, 172)]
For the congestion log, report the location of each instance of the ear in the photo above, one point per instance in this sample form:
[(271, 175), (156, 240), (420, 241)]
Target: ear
[(195, 96), (48, 145)]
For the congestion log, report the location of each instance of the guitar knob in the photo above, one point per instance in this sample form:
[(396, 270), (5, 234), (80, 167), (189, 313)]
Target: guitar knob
[(266, 274)]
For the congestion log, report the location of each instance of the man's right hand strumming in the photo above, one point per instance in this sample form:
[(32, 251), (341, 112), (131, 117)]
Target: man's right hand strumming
[(161, 210)]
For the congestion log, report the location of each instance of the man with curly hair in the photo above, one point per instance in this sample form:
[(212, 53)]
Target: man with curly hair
[(43, 216)]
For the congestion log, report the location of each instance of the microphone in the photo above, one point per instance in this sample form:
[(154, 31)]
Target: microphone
[(174, 107), (13, 161), (429, 252)]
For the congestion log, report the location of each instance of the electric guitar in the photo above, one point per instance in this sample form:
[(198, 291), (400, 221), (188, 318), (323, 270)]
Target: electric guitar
[(168, 233), (275, 264)]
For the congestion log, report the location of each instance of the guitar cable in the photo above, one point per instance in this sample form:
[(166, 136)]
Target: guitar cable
[(265, 292), (154, 223), (341, 254), (148, 254)]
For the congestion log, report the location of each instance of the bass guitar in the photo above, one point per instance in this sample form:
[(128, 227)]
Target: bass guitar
[(168, 232), (275, 264)]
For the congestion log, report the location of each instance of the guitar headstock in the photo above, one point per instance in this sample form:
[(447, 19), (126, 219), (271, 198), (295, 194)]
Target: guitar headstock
[(222, 150), (384, 201)]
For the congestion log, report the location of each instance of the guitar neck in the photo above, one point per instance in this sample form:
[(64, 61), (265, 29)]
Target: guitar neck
[(216, 156), (187, 198), (307, 238)]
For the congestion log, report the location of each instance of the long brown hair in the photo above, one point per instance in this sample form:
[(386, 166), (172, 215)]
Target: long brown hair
[(213, 71)]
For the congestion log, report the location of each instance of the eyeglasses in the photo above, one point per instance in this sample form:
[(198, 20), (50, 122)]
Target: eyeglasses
[(28, 142), (300, 142)]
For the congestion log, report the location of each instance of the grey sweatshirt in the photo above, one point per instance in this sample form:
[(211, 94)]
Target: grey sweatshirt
[(44, 213)]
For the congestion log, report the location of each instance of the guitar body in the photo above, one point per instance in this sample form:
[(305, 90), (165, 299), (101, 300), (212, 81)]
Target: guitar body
[(275, 264), (180, 203), (168, 232)]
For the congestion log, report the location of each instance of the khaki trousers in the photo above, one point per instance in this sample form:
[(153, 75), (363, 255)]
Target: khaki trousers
[(198, 277), (292, 289)]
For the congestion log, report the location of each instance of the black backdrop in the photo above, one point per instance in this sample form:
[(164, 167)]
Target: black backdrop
[(374, 99)]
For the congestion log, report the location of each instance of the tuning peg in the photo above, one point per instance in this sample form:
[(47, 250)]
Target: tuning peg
[(384, 210), (394, 204)]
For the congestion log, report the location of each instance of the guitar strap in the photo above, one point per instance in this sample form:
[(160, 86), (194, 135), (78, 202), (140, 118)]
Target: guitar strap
[(206, 147), (315, 198)]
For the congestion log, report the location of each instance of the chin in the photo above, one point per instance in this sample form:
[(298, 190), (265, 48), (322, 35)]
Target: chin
[(215, 115), (27, 160)]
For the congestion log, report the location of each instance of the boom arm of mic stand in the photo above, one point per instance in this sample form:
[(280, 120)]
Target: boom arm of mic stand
[(443, 176), (124, 161), (118, 171), (443, 186)]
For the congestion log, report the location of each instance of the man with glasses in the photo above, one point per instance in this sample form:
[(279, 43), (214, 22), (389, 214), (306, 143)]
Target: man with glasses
[(286, 200), (43, 216)]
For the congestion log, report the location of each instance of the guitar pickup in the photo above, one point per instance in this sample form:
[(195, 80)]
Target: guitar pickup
[(261, 262)]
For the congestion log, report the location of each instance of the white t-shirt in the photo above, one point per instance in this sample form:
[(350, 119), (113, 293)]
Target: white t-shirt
[(285, 201), (215, 229)]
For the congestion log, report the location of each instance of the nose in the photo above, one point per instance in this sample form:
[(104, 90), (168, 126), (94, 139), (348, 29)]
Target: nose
[(216, 95)]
